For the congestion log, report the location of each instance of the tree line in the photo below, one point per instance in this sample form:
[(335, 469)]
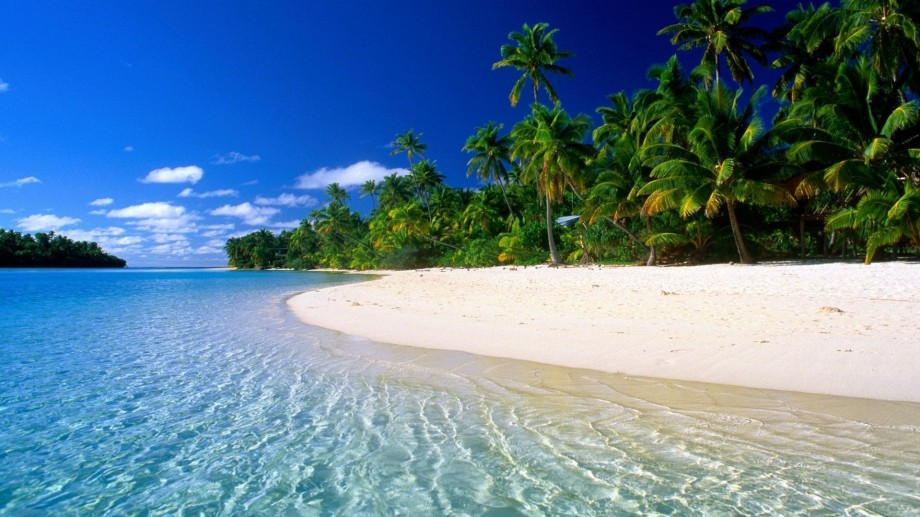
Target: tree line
[(683, 172), (50, 250)]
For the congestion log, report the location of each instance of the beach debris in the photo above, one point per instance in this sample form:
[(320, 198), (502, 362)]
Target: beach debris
[(667, 293), (829, 309), (355, 304)]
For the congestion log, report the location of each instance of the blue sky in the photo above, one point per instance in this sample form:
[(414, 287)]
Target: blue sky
[(160, 129)]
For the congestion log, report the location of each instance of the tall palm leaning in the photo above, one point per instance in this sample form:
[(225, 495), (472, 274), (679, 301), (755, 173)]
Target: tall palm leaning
[(409, 143), (534, 53), (551, 146), (722, 27), (490, 154), (728, 162)]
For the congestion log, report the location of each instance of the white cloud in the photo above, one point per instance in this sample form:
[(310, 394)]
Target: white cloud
[(235, 157), (4, 86), (208, 250), (105, 201), (129, 148), (147, 210), (350, 176), (7, 211), (190, 174), (251, 215), (157, 217), (101, 211), (188, 192), (111, 239), (285, 225), (42, 222), (287, 200), (20, 182)]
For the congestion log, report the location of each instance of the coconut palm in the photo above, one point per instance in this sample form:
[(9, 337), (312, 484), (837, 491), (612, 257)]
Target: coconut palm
[(371, 188), (534, 53), (805, 45), (336, 194), (865, 146), (394, 191), (491, 153), (424, 176), (721, 27), (727, 163), (887, 32), (409, 143), (884, 216), (551, 145)]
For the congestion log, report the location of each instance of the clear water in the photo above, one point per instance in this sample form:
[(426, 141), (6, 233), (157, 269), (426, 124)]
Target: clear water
[(197, 392)]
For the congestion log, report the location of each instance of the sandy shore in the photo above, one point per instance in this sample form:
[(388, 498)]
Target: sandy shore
[(831, 328)]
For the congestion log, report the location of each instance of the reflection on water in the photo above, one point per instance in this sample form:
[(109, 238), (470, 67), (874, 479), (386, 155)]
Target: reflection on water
[(199, 399)]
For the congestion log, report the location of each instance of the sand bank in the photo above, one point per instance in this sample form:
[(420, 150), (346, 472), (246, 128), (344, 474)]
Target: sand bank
[(832, 328)]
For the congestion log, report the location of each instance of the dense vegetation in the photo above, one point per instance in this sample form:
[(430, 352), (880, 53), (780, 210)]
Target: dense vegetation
[(50, 250), (686, 171)]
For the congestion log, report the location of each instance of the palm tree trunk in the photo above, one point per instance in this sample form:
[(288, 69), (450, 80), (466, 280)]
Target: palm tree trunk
[(501, 185), (613, 221), (652, 255), (553, 252), (743, 253)]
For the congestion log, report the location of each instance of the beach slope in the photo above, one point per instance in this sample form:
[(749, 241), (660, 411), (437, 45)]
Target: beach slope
[(832, 328)]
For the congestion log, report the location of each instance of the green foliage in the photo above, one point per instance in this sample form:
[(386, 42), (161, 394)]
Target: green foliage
[(686, 171), (50, 250)]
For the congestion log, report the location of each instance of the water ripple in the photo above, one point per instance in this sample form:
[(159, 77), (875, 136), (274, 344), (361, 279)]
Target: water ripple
[(197, 392)]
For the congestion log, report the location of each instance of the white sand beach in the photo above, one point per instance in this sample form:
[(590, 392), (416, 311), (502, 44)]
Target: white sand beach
[(831, 328)]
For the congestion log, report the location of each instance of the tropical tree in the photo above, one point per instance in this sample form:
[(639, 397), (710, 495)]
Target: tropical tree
[(394, 191), (424, 176), (864, 145), (371, 188), (336, 194), (887, 32), (409, 143), (551, 146), (728, 162), (804, 45), (534, 53), (721, 27), (334, 224), (884, 217), (490, 154)]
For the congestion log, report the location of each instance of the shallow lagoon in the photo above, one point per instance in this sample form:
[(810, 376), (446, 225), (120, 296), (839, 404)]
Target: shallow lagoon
[(197, 391)]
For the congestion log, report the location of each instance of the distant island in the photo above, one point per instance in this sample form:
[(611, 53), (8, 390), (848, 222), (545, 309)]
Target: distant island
[(50, 250)]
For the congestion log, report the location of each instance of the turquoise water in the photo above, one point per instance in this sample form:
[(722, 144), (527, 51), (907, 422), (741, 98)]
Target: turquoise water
[(197, 392)]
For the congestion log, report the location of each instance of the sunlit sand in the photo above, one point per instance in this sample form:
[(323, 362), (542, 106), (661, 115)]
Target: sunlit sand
[(830, 328)]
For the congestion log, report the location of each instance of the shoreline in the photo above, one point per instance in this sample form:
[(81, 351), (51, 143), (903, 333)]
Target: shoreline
[(841, 329)]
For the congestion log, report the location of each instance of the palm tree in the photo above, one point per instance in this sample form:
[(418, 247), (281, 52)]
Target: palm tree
[(491, 153), (478, 216), (884, 216), (727, 162), (619, 140), (864, 146), (371, 188), (722, 27), (409, 143), (886, 31), (336, 194), (425, 176), (333, 224), (534, 53), (805, 46), (551, 145), (394, 191)]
